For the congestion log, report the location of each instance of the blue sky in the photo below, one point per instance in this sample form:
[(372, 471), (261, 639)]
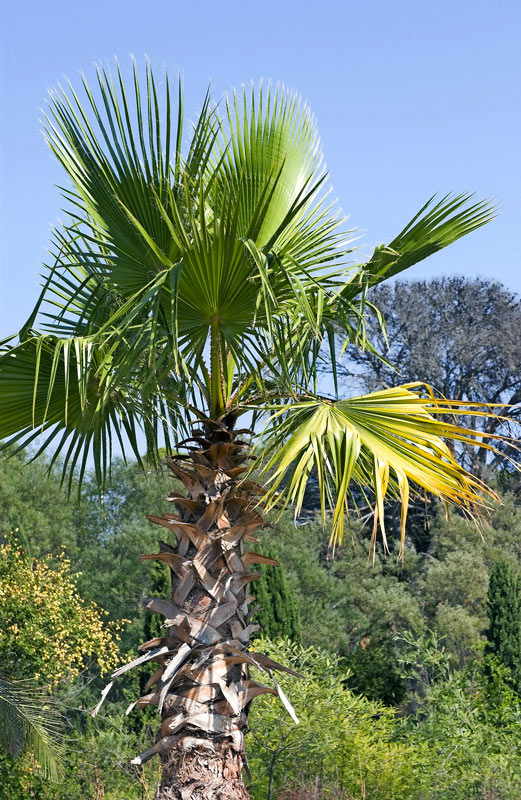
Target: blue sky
[(411, 97)]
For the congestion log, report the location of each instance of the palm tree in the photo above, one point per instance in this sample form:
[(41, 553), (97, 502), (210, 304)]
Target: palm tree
[(192, 286)]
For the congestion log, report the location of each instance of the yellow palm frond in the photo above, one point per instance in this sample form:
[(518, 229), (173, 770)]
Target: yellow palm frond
[(392, 443)]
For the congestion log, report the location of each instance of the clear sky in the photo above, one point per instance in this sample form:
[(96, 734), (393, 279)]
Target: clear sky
[(411, 97)]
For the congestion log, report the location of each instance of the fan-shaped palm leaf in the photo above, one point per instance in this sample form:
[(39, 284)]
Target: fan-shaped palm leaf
[(383, 442), (437, 224)]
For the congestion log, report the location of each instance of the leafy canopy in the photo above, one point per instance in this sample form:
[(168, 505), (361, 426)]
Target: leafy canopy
[(351, 743), (206, 273), (504, 614)]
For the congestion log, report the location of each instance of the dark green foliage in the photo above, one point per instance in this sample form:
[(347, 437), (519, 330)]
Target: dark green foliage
[(504, 613), (374, 669), (159, 587), (348, 743), (345, 603), (465, 728), (278, 614)]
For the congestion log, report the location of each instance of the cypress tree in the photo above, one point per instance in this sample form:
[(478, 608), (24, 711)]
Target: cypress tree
[(278, 614), (504, 613)]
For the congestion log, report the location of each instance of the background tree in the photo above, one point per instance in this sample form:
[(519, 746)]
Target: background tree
[(460, 335), (345, 745), (189, 289), (504, 613), (49, 637), (48, 633), (278, 613)]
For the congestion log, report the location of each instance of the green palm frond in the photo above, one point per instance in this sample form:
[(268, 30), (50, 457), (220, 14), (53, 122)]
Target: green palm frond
[(63, 390), (120, 151), (389, 443), (271, 148), (240, 218), (28, 723), (436, 225)]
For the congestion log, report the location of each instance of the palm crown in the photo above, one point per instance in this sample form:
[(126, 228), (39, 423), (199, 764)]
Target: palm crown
[(209, 279)]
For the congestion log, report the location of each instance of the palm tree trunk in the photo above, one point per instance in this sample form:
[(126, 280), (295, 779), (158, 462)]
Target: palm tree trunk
[(203, 771), (201, 685)]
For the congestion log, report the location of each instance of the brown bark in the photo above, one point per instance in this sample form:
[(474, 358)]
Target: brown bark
[(198, 769)]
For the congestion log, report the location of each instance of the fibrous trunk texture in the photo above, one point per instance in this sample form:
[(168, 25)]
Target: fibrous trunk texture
[(203, 770), (201, 685)]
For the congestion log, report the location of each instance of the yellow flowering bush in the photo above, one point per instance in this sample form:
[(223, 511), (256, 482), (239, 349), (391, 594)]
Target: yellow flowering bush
[(46, 630)]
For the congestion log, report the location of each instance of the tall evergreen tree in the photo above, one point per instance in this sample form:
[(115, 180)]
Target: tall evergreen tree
[(278, 614), (504, 612)]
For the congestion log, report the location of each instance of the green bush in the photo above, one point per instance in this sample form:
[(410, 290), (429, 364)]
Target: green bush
[(346, 741)]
